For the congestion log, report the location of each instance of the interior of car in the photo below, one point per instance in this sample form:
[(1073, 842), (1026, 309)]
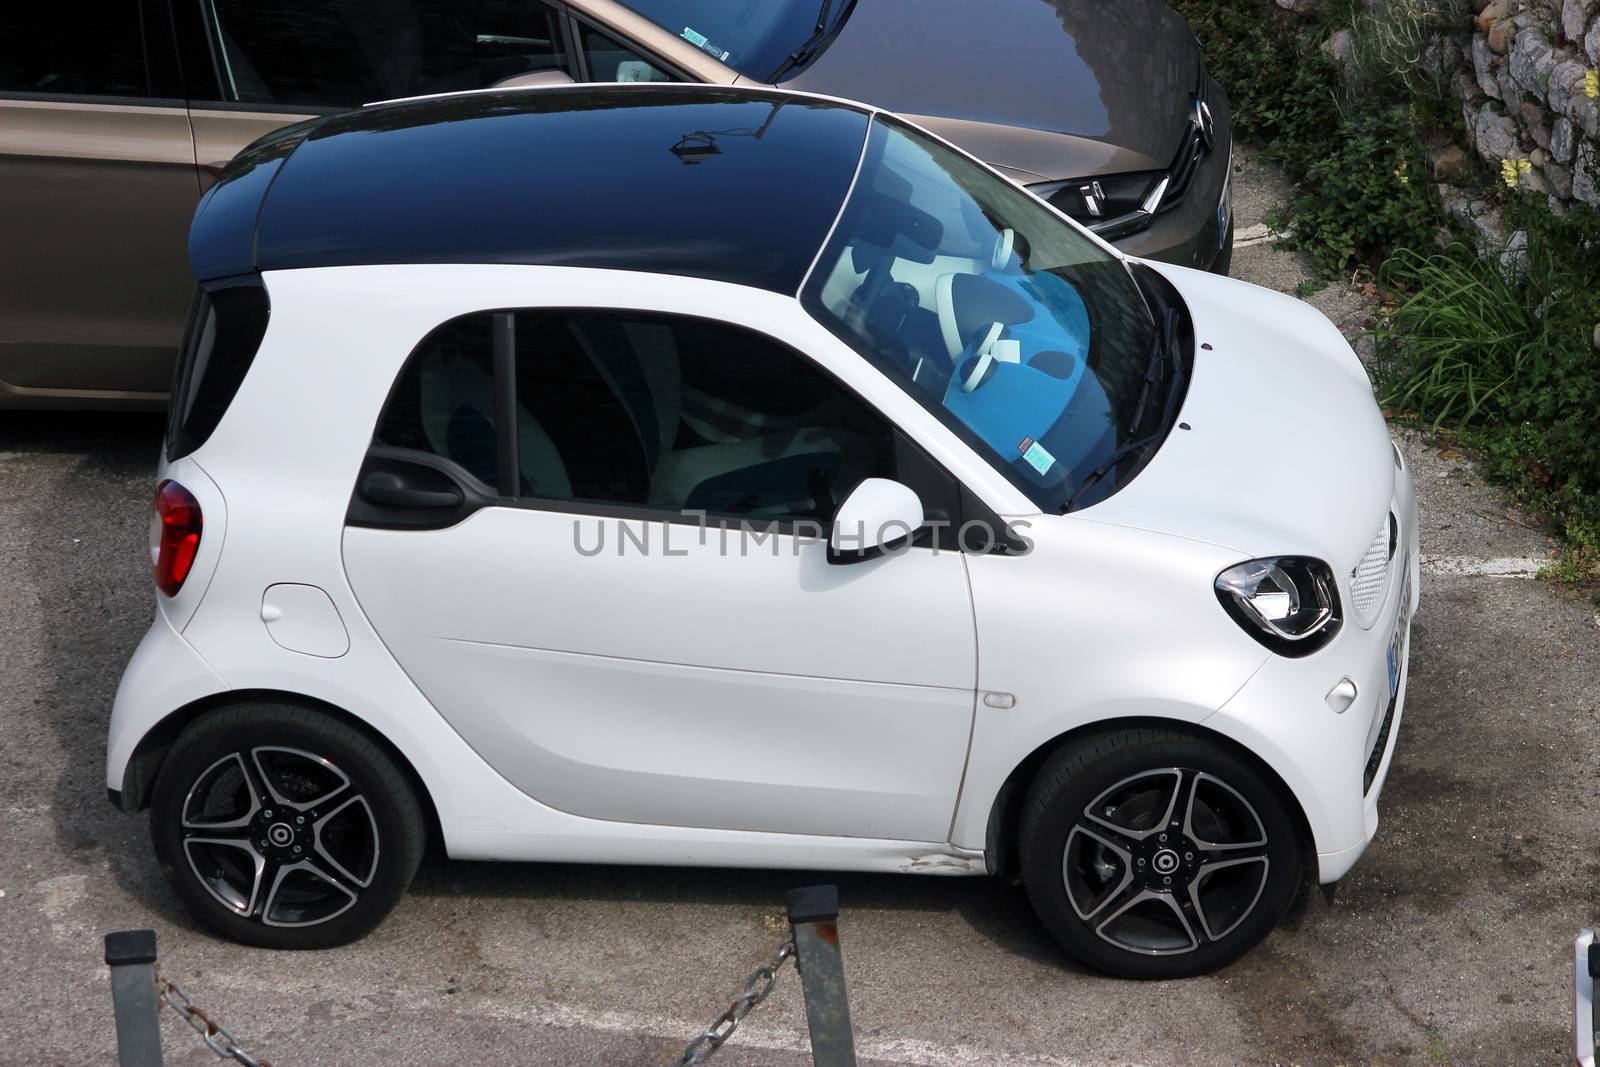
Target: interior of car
[(659, 412), (945, 295)]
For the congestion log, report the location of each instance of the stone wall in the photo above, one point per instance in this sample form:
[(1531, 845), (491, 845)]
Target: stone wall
[(1527, 73), (1531, 95)]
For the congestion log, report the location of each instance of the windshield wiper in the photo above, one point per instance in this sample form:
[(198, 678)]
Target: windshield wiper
[(1136, 445), (822, 16), (804, 53), (1161, 353), (1161, 350)]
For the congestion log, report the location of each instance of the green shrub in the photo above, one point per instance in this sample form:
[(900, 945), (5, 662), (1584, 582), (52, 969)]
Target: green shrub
[(1454, 348), (1359, 199), (1281, 87), (1354, 157), (1508, 356)]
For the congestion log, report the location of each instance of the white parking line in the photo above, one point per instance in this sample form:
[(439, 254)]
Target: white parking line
[(751, 1036), (1253, 235), (1473, 567)]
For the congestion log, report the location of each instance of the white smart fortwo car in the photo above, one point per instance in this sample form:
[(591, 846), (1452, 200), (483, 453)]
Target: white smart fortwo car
[(688, 475)]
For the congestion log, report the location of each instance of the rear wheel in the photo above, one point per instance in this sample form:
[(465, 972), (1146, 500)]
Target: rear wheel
[(1153, 853), (283, 828)]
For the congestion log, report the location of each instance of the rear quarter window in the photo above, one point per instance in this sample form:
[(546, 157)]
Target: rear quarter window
[(226, 323)]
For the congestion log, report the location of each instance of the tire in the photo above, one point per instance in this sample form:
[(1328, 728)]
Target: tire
[(283, 828), (1117, 830)]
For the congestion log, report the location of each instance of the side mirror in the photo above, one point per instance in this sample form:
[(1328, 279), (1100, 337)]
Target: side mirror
[(879, 516), (536, 77)]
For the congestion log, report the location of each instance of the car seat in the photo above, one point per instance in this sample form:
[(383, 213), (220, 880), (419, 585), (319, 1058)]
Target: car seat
[(456, 413), (761, 465)]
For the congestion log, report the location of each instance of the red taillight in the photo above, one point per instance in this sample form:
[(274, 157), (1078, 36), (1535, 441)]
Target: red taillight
[(174, 536)]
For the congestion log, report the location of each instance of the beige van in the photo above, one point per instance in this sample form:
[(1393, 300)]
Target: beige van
[(116, 117)]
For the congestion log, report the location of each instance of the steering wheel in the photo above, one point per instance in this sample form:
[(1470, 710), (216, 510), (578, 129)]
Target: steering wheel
[(1004, 244), (884, 304), (875, 285), (981, 351)]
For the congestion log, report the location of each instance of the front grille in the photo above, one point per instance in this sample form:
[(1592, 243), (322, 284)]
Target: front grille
[(1370, 575), (1185, 165), (1191, 152), (1379, 746)]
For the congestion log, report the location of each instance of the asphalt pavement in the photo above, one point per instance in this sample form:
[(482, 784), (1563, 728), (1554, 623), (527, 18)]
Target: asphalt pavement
[(1449, 943)]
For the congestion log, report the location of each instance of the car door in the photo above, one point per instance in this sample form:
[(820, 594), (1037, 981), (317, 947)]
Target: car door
[(255, 67), (594, 541), (97, 184)]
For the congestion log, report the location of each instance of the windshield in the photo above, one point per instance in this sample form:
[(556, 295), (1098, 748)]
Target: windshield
[(754, 37), (1022, 335)]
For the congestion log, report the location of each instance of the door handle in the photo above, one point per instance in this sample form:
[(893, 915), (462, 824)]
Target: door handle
[(389, 490)]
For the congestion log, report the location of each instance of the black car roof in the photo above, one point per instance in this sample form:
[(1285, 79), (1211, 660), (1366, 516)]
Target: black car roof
[(711, 182)]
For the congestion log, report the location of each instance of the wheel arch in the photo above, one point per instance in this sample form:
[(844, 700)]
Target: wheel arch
[(1000, 846), (138, 778)]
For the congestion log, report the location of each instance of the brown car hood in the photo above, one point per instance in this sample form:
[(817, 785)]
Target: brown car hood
[(1117, 75)]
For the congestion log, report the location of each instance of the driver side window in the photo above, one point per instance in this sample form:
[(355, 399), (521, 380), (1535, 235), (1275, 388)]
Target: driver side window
[(654, 412), (677, 414)]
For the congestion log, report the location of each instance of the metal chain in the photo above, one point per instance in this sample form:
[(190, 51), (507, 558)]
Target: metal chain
[(756, 989), (216, 1035), (700, 1049)]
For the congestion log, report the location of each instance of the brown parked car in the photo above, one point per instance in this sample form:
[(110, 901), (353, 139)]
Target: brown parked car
[(115, 119)]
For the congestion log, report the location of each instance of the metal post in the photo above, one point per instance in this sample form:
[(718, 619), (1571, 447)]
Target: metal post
[(814, 917), (131, 954), (1585, 969)]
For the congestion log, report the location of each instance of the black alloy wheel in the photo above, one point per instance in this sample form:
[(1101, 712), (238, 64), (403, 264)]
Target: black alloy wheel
[(284, 828), (1151, 853)]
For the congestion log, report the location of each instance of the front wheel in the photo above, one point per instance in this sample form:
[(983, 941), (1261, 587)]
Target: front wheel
[(283, 828), (1152, 853)]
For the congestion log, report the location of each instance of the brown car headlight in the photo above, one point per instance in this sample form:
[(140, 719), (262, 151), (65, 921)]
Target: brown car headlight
[(1288, 603), (1111, 205)]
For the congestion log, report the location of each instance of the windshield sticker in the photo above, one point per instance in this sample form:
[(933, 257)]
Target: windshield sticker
[(700, 41), (1038, 458)]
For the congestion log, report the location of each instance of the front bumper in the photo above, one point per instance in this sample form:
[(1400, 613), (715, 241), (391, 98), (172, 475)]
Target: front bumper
[(1336, 762)]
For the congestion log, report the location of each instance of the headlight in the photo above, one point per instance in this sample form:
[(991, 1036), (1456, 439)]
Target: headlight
[(1289, 603), (1112, 205)]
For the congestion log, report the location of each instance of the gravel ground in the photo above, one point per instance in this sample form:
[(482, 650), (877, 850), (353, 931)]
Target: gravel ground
[(1448, 944)]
